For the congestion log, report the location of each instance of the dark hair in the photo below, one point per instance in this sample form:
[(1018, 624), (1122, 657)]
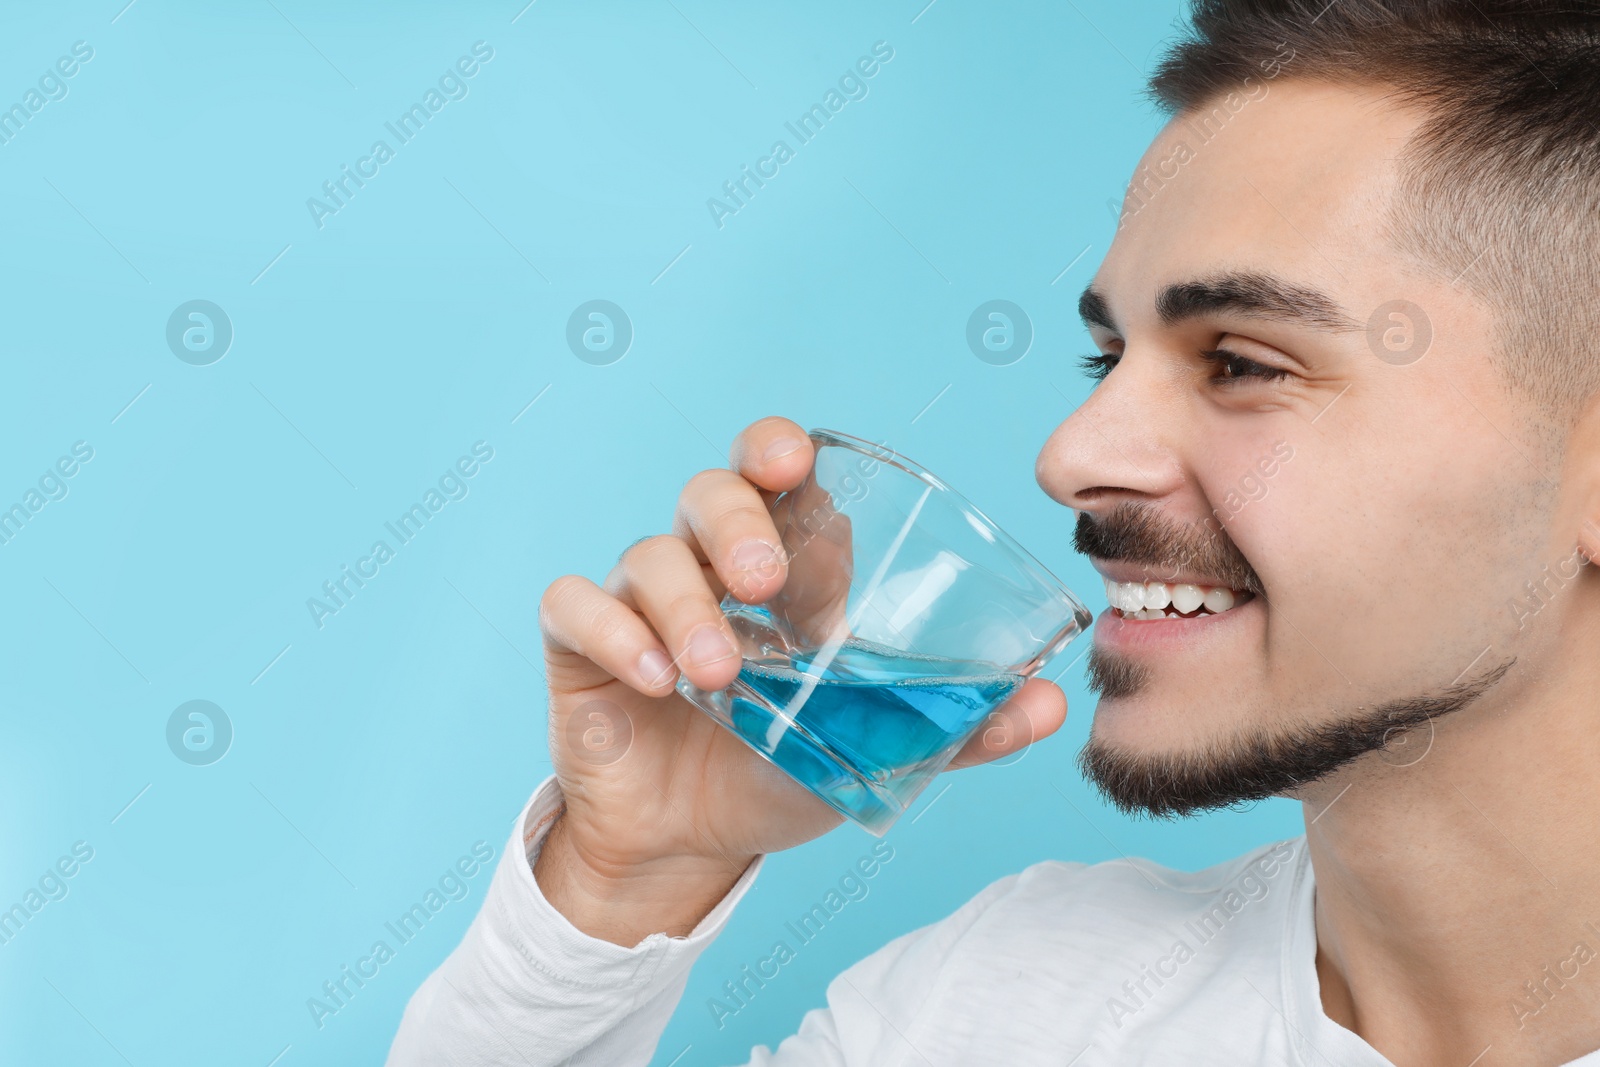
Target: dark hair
[(1500, 186)]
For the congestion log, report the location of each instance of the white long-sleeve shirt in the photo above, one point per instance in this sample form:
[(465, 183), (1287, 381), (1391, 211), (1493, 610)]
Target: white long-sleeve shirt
[(1124, 962)]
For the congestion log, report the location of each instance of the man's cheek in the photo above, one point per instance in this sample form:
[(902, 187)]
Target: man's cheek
[(1338, 614)]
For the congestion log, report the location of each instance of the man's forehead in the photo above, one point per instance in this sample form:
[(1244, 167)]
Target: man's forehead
[(1303, 139), (1296, 184)]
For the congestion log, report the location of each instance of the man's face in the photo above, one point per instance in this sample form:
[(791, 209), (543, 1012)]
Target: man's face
[(1366, 475)]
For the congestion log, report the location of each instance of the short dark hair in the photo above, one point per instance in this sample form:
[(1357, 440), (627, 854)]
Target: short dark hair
[(1500, 186)]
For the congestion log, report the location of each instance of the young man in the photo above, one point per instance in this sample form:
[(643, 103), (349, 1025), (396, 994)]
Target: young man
[(1348, 339)]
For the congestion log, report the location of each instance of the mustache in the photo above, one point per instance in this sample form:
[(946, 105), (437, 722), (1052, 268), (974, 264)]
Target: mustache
[(1134, 532)]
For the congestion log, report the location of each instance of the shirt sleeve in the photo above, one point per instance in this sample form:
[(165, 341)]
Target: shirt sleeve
[(525, 988)]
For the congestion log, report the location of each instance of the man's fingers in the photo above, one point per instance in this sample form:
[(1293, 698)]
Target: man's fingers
[(660, 577), (725, 521), (590, 634), (1033, 713), (724, 516), (816, 594), (773, 453)]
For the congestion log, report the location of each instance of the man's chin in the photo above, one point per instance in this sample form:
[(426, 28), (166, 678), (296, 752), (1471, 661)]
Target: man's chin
[(1114, 677), (1167, 785), (1141, 714), (1187, 775)]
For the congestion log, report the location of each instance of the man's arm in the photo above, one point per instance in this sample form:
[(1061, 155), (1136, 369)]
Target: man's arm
[(528, 988)]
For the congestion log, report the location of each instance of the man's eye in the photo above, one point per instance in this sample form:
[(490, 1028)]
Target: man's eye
[(1231, 367), (1098, 364)]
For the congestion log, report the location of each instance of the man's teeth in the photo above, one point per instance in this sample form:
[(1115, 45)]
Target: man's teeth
[(1158, 600)]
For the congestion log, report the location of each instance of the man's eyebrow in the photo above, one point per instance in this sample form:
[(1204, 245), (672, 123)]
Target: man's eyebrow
[(1094, 311), (1251, 294)]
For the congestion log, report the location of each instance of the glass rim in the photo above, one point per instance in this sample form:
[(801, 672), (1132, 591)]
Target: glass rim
[(885, 454)]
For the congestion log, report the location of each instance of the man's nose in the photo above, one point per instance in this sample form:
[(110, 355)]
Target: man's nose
[(1115, 447)]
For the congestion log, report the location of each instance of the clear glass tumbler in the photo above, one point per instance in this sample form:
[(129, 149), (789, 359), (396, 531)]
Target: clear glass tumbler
[(907, 617)]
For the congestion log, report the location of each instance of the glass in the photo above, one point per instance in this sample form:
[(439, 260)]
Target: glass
[(907, 617)]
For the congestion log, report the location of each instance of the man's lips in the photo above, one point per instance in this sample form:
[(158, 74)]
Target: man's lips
[(1116, 632)]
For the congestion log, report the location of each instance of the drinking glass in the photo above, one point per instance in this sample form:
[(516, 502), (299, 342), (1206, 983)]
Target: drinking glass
[(906, 618)]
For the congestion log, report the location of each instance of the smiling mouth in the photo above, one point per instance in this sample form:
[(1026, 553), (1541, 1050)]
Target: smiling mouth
[(1153, 601)]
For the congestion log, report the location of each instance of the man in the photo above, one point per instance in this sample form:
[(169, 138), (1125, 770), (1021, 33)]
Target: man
[(1347, 335)]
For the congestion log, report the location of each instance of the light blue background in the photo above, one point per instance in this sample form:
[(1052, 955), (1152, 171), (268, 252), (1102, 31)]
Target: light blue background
[(370, 353)]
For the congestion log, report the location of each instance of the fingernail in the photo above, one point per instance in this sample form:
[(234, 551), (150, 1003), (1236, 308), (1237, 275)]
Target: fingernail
[(754, 555), (708, 645), (780, 448), (653, 667)]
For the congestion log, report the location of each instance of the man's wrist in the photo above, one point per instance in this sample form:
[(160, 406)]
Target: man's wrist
[(624, 905)]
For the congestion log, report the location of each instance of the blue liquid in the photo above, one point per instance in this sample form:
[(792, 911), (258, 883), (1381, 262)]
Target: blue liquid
[(874, 715)]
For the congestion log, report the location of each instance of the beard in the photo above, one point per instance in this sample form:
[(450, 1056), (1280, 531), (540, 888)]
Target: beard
[(1264, 762), (1254, 764)]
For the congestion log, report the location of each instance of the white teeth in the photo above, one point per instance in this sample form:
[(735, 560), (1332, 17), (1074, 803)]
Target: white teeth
[(1131, 596), (1157, 600)]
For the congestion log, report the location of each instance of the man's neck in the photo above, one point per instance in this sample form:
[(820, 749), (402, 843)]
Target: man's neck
[(1456, 902)]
